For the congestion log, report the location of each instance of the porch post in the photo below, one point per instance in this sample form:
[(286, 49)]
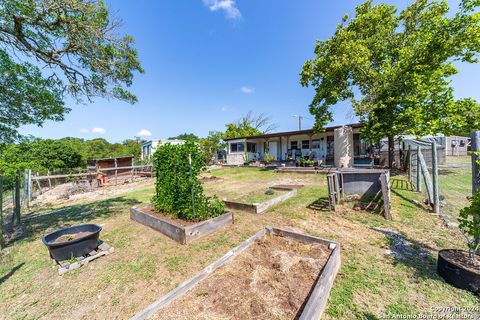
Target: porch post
[(279, 151), (310, 142), (286, 151)]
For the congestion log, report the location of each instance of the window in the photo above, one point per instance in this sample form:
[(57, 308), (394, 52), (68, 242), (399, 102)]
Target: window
[(251, 147), (462, 143), (237, 147), (305, 144), (293, 145), (315, 144)]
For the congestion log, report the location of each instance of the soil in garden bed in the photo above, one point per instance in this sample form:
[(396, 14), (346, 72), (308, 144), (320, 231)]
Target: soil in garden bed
[(176, 221), (259, 197), (71, 237), (271, 279), (461, 258)]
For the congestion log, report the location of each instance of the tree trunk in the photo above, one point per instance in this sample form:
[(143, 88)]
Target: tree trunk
[(16, 212), (391, 151)]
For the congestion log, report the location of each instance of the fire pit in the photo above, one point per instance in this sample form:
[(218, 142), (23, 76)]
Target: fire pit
[(72, 242)]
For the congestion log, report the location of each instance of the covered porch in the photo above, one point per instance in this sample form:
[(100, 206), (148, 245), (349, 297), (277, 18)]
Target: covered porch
[(289, 147)]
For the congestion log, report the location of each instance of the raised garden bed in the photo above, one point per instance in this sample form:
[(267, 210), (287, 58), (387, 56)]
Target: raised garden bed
[(291, 190), (306, 170), (179, 230), (275, 274)]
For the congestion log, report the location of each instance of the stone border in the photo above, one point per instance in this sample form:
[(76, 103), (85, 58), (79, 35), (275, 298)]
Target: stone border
[(314, 304), (178, 233), (262, 207)]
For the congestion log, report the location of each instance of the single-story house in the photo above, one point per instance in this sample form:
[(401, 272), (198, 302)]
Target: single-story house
[(149, 147), (340, 146)]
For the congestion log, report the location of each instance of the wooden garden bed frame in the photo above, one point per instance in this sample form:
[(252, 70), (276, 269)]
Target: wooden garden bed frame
[(316, 300), (262, 207), (181, 234)]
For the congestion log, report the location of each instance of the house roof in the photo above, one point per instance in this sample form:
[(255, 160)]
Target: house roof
[(294, 133)]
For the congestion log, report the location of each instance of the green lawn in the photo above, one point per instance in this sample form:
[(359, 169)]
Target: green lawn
[(146, 265)]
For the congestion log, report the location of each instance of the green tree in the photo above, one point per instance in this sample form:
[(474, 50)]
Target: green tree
[(394, 67), (211, 144), (249, 125), (186, 136), (76, 51)]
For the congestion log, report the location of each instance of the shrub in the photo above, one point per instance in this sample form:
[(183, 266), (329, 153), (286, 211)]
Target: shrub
[(469, 223), (178, 191)]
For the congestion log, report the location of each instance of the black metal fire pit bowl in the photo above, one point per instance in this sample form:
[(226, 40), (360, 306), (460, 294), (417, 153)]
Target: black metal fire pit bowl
[(76, 247)]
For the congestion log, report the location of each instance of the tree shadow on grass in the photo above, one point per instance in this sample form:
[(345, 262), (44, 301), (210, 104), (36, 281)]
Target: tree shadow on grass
[(36, 224), (10, 273), (321, 204), (412, 253)]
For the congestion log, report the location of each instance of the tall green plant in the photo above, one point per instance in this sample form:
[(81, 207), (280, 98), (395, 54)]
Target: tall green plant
[(178, 187), (469, 223)]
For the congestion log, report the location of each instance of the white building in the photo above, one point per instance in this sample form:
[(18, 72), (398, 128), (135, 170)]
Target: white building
[(149, 147)]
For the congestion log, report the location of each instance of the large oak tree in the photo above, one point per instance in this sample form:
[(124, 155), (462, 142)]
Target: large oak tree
[(51, 49), (395, 67)]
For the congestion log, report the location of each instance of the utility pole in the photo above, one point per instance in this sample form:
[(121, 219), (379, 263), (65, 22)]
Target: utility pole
[(299, 121)]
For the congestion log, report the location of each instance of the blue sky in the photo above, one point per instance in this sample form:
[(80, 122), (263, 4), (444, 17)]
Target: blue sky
[(208, 62)]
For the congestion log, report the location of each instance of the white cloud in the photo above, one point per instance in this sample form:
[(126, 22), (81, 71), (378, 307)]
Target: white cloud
[(99, 130), (144, 133), (84, 130), (247, 90), (229, 6)]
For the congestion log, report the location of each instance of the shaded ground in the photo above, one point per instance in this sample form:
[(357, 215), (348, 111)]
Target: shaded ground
[(146, 264)]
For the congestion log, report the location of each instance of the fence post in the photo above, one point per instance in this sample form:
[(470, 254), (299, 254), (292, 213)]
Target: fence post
[(410, 179), (436, 197), (17, 208), (419, 180), (475, 136)]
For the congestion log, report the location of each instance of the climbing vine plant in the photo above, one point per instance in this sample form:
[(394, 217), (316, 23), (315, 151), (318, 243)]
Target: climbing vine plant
[(178, 191)]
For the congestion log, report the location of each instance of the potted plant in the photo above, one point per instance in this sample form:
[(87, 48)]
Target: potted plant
[(308, 163), (458, 267)]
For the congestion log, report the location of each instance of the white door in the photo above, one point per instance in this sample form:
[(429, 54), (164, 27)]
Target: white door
[(272, 149)]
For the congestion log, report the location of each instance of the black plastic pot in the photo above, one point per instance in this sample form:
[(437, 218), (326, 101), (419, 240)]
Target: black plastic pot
[(74, 248), (456, 275)]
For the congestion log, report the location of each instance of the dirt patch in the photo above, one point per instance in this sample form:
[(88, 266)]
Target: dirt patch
[(461, 258), (210, 179), (269, 280), (176, 221), (71, 237)]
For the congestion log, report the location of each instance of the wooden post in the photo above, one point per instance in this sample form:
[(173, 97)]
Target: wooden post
[(475, 144), (1, 212), (116, 172), (17, 208), (286, 151), (409, 157), (419, 180), (385, 185), (49, 181), (436, 196), (426, 178)]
